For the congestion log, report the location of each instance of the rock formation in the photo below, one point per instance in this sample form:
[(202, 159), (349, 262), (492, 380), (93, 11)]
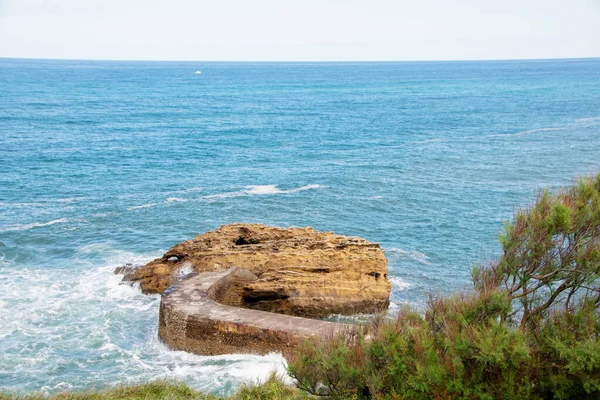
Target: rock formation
[(294, 271)]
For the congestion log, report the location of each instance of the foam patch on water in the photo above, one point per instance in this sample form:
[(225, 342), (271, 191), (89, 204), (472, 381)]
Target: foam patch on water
[(585, 122), (78, 327), (434, 140), (411, 254), (253, 190), (273, 189), (25, 227), (262, 190), (142, 206), (591, 121), (176, 200), (399, 284), (44, 202), (193, 189), (511, 135), (535, 130)]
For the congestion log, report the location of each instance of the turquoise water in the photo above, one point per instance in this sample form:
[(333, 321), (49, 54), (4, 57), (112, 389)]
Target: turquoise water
[(106, 163)]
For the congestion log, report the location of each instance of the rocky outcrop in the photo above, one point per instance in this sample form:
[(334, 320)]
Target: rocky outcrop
[(294, 271), (192, 319)]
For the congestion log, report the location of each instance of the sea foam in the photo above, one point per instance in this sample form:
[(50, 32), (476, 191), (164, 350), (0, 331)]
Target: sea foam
[(259, 190), (25, 227), (399, 284), (411, 254), (83, 318), (535, 130)]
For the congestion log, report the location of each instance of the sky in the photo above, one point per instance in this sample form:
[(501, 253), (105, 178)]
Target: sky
[(306, 30)]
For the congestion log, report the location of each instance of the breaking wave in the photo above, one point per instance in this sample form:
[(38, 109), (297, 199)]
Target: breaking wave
[(66, 321), (253, 190), (411, 254), (535, 130), (142, 206), (591, 121), (25, 227), (399, 284), (261, 190)]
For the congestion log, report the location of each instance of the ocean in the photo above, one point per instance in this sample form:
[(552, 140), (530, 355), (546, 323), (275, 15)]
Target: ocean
[(107, 163)]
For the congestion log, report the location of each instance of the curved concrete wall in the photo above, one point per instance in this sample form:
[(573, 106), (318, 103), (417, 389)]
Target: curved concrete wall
[(192, 319)]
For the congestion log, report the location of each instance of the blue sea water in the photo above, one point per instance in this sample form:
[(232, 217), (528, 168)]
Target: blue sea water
[(107, 163)]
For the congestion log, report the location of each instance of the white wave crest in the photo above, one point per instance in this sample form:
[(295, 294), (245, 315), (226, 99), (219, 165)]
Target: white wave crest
[(263, 189), (167, 201), (412, 254), (536, 130), (45, 202), (303, 188), (254, 190), (83, 322), (176, 200), (25, 227), (434, 140), (193, 189), (142, 206), (588, 119), (586, 122), (399, 284)]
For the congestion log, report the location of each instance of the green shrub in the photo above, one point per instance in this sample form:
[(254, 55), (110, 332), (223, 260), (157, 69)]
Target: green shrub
[(567, 353), (273, 388), (550, 254), (454, 351), (530, 330)]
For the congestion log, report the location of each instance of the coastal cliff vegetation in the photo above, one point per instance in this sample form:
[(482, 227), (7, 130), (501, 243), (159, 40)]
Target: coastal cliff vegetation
[(530, 328)]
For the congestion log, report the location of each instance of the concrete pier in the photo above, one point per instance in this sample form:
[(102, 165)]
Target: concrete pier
[(192, 319)]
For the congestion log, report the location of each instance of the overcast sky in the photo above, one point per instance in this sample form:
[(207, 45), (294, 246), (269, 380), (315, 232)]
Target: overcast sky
[(299, 30)]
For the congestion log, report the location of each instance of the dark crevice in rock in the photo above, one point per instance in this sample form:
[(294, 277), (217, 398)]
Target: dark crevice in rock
[(263, 297), (241, 241)]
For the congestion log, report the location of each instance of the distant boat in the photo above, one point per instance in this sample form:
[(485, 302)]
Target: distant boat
[(198, 72)]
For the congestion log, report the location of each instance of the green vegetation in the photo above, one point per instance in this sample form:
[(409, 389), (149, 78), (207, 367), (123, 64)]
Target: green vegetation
[(160, 389), (529, 330), (272, 389)]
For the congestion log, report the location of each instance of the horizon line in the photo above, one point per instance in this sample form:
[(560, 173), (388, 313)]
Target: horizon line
[(300, 61)]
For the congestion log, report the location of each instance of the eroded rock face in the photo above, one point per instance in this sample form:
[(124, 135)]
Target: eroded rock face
[(296, 271)]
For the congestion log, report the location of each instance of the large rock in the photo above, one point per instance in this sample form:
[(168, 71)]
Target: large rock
[(296, 271)]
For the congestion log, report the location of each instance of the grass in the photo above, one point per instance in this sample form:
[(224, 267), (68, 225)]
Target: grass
[(272, 389)]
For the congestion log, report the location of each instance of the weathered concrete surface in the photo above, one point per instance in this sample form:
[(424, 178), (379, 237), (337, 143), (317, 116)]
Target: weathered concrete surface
[(299, 271), (192, 320)]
